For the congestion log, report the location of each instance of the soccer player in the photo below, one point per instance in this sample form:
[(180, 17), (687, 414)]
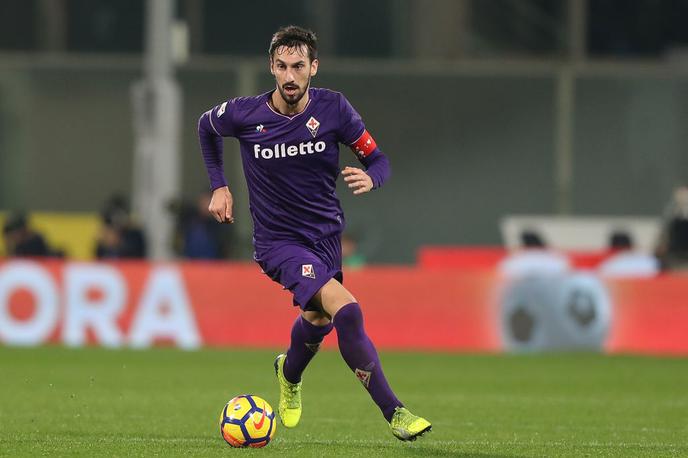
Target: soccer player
[(289, 141)]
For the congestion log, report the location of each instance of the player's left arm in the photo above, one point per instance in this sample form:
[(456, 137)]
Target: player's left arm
[(377, 169)]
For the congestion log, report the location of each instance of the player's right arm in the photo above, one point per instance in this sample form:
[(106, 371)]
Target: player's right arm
[(212, 126)]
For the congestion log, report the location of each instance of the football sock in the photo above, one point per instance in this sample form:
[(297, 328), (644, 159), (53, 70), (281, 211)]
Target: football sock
[(305, 343), (360, 355)]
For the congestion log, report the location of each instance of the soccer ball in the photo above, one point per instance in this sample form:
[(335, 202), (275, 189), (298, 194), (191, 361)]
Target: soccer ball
[(565, 312), (247, 421)]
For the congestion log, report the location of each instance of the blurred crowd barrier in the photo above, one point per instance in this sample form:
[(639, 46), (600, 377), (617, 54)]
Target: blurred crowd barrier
[(194, 304), (73, 233), (582, 232)]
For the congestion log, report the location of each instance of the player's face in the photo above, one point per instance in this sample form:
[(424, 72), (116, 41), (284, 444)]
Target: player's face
[(293, 70)]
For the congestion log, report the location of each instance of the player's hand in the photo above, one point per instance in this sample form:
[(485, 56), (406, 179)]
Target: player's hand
[(357, 180), (221, 205)]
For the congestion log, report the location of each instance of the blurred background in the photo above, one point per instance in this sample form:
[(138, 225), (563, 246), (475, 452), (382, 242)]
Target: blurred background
[(538, 203), (486, 108), (521, 132)]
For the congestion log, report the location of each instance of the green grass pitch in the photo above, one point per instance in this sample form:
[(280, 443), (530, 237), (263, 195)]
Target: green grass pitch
[(164, 402)]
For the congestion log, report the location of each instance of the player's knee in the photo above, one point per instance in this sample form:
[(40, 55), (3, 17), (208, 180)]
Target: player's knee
[(333, 296), (349, 319), (316, 318)]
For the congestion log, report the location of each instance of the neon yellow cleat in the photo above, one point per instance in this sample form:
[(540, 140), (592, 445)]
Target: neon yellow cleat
[(289, 407), (406, 426)]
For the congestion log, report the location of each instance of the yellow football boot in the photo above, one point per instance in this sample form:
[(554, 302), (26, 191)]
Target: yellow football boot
[(289, 407), (406, 426)]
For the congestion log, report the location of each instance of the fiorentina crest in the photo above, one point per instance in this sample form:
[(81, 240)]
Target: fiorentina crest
[(363, 376), (307, 271), (313, 125)]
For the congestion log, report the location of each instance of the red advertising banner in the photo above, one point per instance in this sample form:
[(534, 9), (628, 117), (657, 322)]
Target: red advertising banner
[(650, 315), (138, 304)]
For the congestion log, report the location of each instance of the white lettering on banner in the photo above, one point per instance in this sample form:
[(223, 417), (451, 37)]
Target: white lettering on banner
[(32, 277), (99, 313), (164, 312)]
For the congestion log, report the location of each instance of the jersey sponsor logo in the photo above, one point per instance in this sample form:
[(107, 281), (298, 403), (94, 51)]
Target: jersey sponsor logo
[(281, 150), (307, 271), (221, 110), (363, 376), (313, 125), (364, 145), (261, 128)]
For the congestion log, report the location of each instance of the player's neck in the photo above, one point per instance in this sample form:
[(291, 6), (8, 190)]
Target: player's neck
[(282, 107)]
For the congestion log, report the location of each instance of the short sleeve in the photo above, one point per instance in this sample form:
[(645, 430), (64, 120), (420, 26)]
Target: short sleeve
[(221, 118), (351, 125)]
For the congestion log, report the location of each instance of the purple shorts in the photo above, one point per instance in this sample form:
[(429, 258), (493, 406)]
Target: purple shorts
[(302, 268)]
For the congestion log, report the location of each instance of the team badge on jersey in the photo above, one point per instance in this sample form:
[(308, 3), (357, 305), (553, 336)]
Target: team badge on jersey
[(313, 125), (307, 271), (222, 109), (363, 376)]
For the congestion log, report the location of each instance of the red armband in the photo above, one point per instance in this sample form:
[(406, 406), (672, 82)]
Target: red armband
[(364, 145)]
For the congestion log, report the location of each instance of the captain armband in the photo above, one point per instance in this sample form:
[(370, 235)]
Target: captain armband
[(364, 145)]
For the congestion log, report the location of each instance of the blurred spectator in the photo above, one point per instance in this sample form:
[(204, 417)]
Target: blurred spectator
[(351, 257), (199, 236), (120, 237), (22, 241), (672, 249), (534, 258), (626, 261)]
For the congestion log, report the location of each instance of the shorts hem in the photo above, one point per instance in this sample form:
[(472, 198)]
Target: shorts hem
[(303, 301)]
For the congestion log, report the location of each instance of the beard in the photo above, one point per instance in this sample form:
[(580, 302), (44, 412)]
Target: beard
[(295, 97)]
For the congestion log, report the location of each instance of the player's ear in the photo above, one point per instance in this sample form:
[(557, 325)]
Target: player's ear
[(270, 64), (314, 67)]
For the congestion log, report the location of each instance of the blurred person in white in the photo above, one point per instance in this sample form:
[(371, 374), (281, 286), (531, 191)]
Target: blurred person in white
[(626, 261), (672, 248), (534, 258)]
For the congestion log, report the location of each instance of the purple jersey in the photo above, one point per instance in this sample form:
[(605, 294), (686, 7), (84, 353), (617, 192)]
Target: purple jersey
[(291, 163)]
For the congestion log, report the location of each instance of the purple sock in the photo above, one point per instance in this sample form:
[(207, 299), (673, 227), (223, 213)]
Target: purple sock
[(305, 343), (360, 355)]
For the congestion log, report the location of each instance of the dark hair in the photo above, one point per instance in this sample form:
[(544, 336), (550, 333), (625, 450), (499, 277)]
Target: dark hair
[(620, 240), (531, 239), (15, 222), (293, 36)]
